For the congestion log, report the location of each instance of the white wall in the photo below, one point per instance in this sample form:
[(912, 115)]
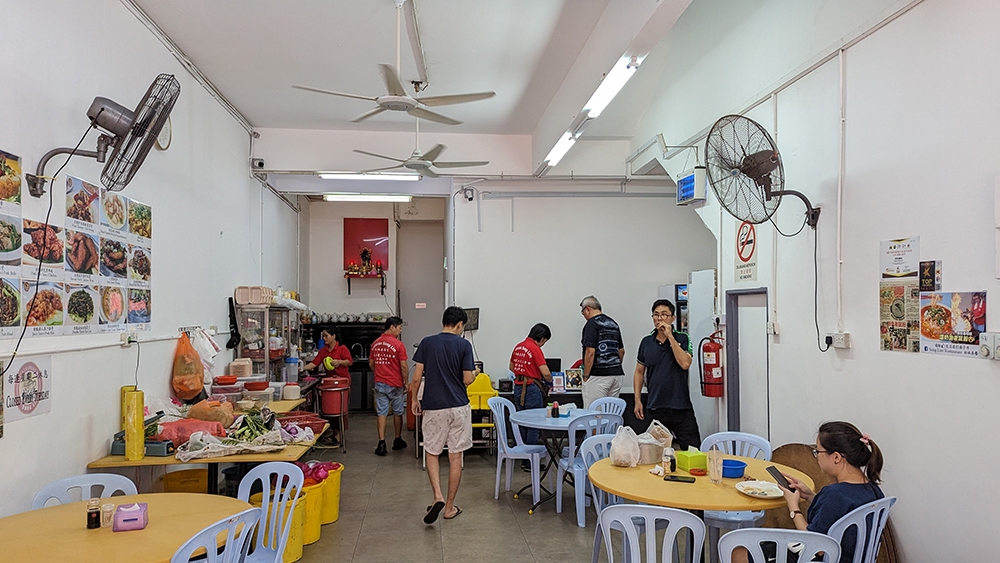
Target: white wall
[(537, 258), (922, 101), (208, 221), (327, 286)]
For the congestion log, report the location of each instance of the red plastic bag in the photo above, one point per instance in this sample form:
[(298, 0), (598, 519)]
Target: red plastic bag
[(180, 431), (188, 375)]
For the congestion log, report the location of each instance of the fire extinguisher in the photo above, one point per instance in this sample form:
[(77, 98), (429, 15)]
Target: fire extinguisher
[(710, 362)]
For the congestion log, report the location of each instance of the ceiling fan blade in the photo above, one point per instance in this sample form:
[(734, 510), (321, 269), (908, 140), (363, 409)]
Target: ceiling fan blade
[(379, 155), (367, 114), (460, 164), (455, 99), (429, 173), (435, 152), (381, 169), (332, 93), (431, 116), (392, 84)]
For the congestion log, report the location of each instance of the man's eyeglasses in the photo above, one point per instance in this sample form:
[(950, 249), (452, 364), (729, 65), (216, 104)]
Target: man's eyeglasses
[(817, 452), (662, 315)]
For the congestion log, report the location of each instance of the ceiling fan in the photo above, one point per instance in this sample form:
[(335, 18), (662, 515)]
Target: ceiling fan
[(422, 162), (397, 99)]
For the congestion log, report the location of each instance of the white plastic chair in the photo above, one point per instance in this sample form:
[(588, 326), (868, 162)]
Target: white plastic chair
[(239, 533), (632, 519), (613, 405), (60, 490), (862, 518), (501, 407), (580, 428), (741, 444), (275, 526), (751, 538)]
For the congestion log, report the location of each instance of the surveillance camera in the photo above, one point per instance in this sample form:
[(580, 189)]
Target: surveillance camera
[(469, 194), (257, 163)]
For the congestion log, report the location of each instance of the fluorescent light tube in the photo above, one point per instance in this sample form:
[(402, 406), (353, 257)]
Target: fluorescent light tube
[(560, 150), (612, 83), (369, 197), (354, 176)]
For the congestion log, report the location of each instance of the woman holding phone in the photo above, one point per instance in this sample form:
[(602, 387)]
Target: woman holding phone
[(854, 462)]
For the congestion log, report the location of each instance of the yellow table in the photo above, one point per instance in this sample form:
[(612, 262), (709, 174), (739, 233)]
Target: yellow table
[(638, 484), (59, 533), (280, 407), (289, 453)]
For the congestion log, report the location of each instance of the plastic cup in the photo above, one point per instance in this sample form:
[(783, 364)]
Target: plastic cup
[(715, 465), (107, 515)]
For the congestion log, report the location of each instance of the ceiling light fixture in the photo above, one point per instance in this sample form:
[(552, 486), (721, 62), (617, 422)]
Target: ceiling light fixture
[(560, 150), (613, 82), (384, 198), (356, 176)]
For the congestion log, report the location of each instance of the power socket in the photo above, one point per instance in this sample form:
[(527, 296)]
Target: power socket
[(127, 338), (772, 328), (841, 339)]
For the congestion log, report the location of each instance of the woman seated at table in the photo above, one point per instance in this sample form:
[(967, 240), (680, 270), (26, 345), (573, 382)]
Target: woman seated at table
[(855, 463)]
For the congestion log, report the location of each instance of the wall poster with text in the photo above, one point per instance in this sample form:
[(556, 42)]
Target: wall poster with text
[(950, 323)]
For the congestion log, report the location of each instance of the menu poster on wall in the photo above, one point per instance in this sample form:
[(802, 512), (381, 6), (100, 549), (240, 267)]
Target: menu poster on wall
[(899, 315), (113, 309), (44, 250), (11, 318), (139, 309), (82, 205), (27, 388), (10, 245), (899, 258), (950, 323), (46, 316), (10, 183), (81, 309)]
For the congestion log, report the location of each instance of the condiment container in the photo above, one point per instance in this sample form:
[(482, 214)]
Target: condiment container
[(93, 514), (291, 392), (669, 461), (107, 515)]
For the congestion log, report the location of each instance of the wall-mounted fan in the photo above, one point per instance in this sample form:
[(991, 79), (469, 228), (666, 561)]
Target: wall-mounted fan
[(132, 135), (745, 172)]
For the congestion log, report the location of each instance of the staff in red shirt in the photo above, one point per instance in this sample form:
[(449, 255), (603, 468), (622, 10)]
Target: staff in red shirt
[(388, 360), (528, 364), (339, 355)]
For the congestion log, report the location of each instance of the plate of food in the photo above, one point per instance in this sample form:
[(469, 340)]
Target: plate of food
[(81, 200), (138, 264), (10, 303), (114, 258), (760, 489), (10, 239), (935, 320), (46, 244), (44, 304), (140, 219), (10, 178), (112, 305), (81, 304), (81, 252), (139, 310), (114, 210)]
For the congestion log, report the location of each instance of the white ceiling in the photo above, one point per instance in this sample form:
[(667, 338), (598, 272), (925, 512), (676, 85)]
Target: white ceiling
[(253, 50)]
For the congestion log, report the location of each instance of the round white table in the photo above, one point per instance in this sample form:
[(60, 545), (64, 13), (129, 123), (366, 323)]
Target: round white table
[(553, 434)]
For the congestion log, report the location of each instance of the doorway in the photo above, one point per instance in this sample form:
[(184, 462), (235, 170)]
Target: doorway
[(420, 280), (748, 400)]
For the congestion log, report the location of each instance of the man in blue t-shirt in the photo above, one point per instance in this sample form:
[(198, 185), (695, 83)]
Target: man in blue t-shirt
[(444, 362), (663, 361), (603, 350)]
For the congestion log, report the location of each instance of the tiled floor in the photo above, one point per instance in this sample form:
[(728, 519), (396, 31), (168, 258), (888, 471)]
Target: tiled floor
[(384, 499)]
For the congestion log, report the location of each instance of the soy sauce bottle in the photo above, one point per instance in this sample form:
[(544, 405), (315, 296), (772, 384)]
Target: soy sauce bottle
[(93, 514)]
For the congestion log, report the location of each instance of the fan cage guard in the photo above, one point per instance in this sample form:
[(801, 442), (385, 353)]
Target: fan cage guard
[(150, 115), (731, 139)]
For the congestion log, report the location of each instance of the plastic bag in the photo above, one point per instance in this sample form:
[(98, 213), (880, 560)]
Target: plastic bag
[(206, 348), (213, 411), (188, 371), (650, 449), (180, 431), (625, 448), (660, 433)]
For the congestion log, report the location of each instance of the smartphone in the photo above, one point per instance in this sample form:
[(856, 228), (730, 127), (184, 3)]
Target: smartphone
[(779, 478), (679, 478)]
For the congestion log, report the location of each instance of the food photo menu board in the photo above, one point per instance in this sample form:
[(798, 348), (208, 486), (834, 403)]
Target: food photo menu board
[(93, 266)]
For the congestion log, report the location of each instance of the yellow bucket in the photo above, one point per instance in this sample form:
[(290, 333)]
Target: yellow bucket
[(314, 507), (331, 496), (186, 481), (293, 549)]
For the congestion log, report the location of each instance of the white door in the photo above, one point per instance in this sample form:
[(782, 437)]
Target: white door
[(420, 280), (754, 395)]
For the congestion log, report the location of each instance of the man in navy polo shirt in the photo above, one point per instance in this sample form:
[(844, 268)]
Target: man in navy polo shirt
[(663, 360)]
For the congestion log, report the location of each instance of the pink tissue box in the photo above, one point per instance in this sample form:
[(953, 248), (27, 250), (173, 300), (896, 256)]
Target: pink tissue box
[(130, 517)]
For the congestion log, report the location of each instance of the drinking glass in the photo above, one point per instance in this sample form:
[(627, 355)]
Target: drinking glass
[(107, 515), (715, 465)]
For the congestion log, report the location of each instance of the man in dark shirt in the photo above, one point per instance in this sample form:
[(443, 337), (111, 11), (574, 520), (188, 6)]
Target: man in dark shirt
[(603, 351), (663, 360), (445, 362)]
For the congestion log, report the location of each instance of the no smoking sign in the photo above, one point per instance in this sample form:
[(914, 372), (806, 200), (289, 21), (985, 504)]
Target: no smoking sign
[(746, 252)]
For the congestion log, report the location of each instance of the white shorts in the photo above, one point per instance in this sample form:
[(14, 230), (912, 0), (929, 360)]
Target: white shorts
[(598, 386), (447, 427)]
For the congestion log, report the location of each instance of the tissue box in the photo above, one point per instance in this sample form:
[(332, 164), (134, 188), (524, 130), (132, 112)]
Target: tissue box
[(688, 459), (130, 517)]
